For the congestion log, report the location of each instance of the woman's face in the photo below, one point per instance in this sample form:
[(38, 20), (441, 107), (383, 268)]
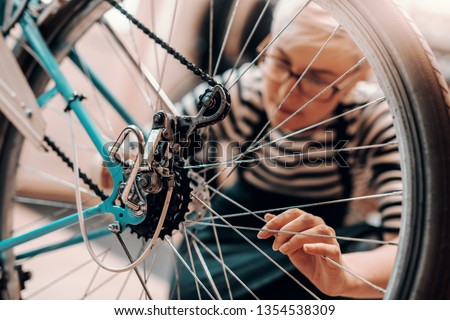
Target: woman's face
[(282, 67)]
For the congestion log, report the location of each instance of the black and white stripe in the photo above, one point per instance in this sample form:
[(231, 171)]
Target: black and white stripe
[(316, 177)]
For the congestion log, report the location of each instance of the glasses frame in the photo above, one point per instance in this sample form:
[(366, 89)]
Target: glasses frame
[(291, 74)]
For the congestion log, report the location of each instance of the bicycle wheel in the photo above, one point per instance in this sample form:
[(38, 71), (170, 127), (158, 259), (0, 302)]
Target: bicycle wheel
[(418, 101)]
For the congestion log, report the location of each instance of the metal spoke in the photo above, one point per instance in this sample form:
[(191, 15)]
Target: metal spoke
[(342, 77), (139, 65), (187, 267), (149, 78), (115, 42), (144, 268), (125, 282), (302, 206), (206, 270), (376, 101), (65, 207), (250, 36), (161, 72), (220, 260), (177, 287), (211, 34), (362, 240), (94, 91), (297, 83), (136, 270), (257, 142), (188, 245), (65, 275), (52, 178), (317, 55), (302, 233), (275, 37), (259, 249), (227, 34), (90, 291), (103, 283), (45, 203), (370, 284), (258, 139), (97, 270), (235, 203), (122, 288), (152, 264), (295, 155), (219, 248)]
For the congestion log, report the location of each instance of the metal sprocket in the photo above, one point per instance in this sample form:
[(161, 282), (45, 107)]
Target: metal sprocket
[(176, 212)]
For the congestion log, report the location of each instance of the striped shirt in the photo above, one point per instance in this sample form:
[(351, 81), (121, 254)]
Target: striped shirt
[(303, 164)]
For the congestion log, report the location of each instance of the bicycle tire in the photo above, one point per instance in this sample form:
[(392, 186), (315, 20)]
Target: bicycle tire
[(419, 99)]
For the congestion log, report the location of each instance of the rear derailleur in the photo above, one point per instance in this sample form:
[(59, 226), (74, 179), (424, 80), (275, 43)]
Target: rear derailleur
[(155, 185)]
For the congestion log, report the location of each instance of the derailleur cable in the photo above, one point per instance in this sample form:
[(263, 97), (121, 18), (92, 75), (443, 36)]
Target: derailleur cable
[(169, 134)]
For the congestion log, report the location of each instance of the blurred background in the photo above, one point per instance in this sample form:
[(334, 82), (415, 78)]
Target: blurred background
[(431, 16), (186, 28), (189, 34), (433, 19)]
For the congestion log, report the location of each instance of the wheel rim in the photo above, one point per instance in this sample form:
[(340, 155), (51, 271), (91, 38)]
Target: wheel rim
[(399, 285)]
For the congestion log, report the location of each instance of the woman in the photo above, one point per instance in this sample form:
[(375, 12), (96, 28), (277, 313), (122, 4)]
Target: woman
[(320, 68)]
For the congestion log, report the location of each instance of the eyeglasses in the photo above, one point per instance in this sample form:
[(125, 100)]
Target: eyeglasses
[(310, 86)]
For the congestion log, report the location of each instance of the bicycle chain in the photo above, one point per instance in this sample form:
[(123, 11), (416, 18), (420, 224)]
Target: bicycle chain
[(178, 56), (69, 163)]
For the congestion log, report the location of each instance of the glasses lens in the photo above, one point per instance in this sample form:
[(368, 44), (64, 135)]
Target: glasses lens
[(275, 69), (312, 88)]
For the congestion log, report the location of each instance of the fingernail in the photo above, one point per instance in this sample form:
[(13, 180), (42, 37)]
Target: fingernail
[(275, 247), (284, 248), (261, 232)]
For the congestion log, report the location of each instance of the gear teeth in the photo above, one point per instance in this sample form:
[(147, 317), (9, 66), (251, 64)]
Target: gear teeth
[(176, 212)]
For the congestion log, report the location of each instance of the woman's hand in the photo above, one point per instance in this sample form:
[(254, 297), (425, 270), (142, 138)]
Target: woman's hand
[(306, 240)]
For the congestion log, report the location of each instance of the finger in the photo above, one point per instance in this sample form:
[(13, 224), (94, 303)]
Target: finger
[(322, 249), (301, 224), (264, 234), (313, 235), (279, 221)]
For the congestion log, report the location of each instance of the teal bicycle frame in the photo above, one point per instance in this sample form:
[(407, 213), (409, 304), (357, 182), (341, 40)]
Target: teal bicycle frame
[(123, 216)]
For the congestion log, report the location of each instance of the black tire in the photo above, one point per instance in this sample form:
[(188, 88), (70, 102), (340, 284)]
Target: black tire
[(408, 71)]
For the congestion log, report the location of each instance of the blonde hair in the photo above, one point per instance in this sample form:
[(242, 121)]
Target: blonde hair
[(311, 28)]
